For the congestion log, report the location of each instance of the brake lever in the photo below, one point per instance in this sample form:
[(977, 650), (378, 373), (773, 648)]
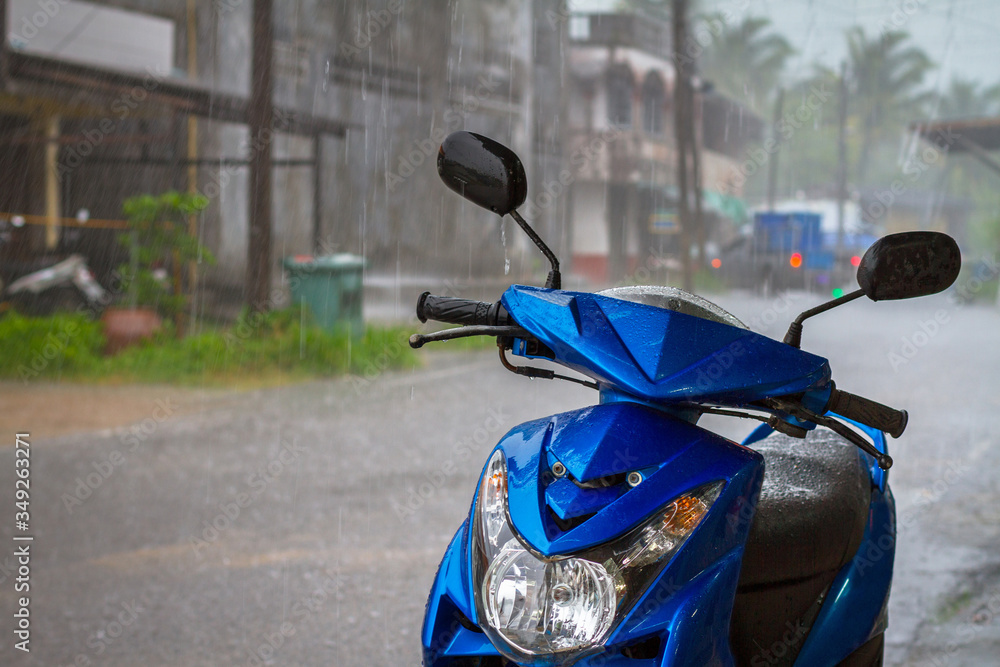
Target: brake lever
[(884, 460), (418, 340), (801, 412)]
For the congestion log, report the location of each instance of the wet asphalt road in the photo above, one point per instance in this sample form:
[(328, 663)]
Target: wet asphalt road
[(284, 527)]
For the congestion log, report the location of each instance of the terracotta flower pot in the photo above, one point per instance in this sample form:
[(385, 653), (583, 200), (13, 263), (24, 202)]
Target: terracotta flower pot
[(124, 327)]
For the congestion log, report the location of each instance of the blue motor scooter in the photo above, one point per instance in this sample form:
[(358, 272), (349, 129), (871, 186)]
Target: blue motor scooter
[(623, 533)]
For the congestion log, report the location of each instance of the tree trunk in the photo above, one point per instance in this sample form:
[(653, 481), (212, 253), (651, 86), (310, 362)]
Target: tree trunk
[(864, 157), (261, 113), (772, 167), (681, 127), (699, 218), (841, 164)]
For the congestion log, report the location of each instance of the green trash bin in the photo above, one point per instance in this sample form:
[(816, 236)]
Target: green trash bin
[(330, 287)]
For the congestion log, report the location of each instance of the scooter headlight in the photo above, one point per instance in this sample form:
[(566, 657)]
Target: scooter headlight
[(555, 610), (542, 606)]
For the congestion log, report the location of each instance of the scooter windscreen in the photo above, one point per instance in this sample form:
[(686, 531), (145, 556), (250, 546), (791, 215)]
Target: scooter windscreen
[(676, 299)]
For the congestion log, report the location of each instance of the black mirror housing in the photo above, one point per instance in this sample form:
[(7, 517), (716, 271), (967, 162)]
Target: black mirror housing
[(484, 171), (909, 264)]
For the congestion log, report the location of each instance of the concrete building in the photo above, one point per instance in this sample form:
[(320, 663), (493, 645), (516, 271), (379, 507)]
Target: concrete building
[(103, 100), (622, 151)]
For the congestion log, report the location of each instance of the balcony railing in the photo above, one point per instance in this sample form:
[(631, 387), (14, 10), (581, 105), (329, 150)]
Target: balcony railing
[(624, 30)]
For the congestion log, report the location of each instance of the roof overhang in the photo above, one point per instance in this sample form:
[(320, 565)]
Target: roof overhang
[(973, 136), (959, 133), (80, 90)]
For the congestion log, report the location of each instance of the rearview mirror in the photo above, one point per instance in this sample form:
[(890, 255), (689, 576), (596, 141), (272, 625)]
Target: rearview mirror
[(909, 264), (483, 171)]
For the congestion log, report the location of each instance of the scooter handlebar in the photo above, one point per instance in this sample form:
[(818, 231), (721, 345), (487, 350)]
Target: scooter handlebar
[(460, 311), (868, 412)]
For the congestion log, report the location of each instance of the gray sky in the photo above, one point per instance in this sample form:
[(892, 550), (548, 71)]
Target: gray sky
[(962, 36)]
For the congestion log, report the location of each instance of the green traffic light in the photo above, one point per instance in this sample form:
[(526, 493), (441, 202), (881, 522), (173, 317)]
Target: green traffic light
[(837, 292)]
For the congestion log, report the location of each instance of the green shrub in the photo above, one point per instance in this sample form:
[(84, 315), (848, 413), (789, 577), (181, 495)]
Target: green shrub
[(708, 281), (256, 347), (277, 343), (158, 241), (48, 347), (978, 282)]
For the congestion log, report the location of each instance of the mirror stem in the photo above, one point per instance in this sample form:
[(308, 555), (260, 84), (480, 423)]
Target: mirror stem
[(554, 280), (794, 335)]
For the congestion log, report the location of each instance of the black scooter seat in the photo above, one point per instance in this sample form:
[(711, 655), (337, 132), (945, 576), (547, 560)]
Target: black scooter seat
[(812, 511)]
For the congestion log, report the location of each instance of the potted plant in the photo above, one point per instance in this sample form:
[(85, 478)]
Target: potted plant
[(158, 246)]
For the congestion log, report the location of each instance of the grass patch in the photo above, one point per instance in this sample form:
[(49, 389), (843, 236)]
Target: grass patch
[(257, 350), (48, 347), (978, 282), (953, 605), (708, 281)]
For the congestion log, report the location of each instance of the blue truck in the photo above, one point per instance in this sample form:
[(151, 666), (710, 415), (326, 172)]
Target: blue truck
[(791, 251)]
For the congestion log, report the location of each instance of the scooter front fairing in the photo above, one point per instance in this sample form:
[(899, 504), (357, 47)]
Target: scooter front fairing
[(682, 609), (659, 354)]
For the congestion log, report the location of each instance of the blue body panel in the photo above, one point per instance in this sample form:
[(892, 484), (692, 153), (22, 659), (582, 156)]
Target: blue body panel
[(662, 355), (856, 602), (444, 635), (647, 359), (880, 478), (604, 440)]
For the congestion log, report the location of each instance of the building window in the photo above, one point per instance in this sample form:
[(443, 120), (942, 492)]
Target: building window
[(652, 104), (620, 97), (579, 28)]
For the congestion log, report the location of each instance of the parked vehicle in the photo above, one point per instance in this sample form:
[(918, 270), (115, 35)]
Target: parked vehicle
[(790, 250), (67, 285), (625, 534)]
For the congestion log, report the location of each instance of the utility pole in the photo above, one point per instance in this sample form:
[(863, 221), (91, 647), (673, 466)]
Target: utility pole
[(682, 93), (841, 162), (3, 42), (772, 167), (53, 191), (192, 156), (261, 113), (693, 137)]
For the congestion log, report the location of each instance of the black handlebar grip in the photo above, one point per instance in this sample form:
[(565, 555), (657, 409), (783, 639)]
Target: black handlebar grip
[(459, 311), (868, 412)]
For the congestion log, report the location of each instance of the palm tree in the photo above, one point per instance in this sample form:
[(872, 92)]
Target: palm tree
[(745, 60), (886, 74), (966, 99)]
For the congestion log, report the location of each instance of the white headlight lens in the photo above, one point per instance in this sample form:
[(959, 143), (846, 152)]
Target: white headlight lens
[(545, 607), (535, 609)]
